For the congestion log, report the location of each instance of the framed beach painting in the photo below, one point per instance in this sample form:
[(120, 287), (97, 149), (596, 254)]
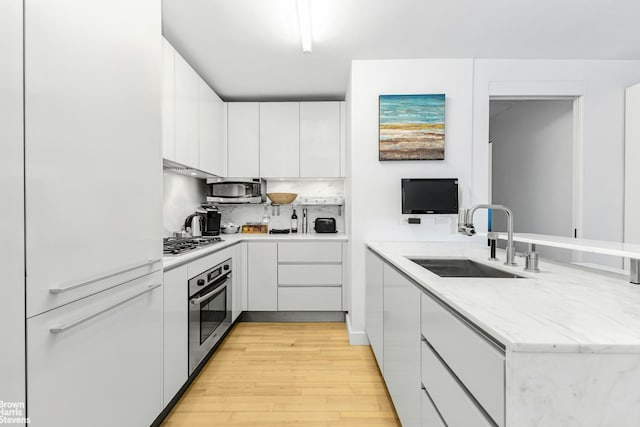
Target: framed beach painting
[(411, 127)]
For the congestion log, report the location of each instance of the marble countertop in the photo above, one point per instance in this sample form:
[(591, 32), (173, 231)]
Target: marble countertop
[(172, 261), (563, 308)]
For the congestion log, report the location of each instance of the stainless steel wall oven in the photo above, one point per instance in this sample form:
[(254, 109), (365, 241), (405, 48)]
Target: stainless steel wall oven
[(209, 310)]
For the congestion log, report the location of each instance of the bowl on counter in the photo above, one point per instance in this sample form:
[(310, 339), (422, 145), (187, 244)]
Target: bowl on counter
[(229, 228), (282, 198)]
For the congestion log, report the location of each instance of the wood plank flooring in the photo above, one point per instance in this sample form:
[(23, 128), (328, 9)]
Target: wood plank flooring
[(282, 374)]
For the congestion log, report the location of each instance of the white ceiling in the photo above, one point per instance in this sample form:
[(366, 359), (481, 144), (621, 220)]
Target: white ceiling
[(250, 49)]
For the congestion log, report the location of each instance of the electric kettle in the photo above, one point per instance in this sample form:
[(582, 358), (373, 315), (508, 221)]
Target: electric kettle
[(196, 223)]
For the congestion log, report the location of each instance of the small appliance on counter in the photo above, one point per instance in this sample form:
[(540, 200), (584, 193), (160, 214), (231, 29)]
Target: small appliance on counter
[(196, 223), (237, 190), (212, 221), (325, 225), (279, 231)]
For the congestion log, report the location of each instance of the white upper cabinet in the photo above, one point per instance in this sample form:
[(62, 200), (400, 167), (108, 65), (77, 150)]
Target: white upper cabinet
[(243, 140), (280, 139), (186, 113), (212, 145), (92, 143), (168, 100), (320, 139), (193, 117)]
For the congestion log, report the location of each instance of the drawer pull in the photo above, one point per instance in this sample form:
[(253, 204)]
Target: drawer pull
[(103, 277), (60, 329)]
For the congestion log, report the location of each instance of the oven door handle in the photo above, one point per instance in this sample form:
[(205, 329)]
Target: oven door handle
[(216, 291)]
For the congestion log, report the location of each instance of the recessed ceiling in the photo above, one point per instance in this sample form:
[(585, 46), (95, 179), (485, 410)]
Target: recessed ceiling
[(250, 49)]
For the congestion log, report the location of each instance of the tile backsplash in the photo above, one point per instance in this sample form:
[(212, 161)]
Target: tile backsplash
[(242, 214), (182, 195)]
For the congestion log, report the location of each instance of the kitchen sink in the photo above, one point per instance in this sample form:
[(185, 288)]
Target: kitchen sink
[(461, 267)]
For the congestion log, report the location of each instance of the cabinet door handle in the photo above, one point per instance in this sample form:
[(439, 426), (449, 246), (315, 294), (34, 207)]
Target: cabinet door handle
[(216, 291), (103, 277), (64, 328)]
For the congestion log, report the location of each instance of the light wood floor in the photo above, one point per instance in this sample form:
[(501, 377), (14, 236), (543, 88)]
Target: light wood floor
[(281, 374)]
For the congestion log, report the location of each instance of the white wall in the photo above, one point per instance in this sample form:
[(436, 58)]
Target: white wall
[(532, 168), (12, 314), (374, 186), (600, 161)]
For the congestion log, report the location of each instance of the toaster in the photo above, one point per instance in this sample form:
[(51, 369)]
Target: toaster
[(325, 225)]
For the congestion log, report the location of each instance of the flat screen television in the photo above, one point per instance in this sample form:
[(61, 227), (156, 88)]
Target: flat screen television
[(429, 195)]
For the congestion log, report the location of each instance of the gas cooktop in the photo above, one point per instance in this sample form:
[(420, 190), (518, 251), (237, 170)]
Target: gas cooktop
[(177, 246)]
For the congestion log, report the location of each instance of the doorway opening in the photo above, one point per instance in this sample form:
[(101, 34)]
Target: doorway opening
[(533, 153)]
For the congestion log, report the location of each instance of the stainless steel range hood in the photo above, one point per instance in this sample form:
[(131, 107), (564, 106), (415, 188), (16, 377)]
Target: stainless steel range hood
[(175, 167)]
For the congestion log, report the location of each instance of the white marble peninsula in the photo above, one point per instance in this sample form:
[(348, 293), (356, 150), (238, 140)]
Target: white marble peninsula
[(556, 348)]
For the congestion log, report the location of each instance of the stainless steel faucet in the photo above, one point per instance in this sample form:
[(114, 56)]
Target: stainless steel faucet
[(465, 226)]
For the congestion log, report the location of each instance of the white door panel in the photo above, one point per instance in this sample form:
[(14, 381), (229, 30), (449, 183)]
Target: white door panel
[(168, 101), (109, 366), (212, 146), (176, 332), (186, 113), (12, 386), (262, 276), (320, 139), (93, 140), (374, 295), (243, 139), (280, 139), (401, 335)]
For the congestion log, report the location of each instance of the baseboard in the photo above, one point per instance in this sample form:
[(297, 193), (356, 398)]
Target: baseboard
[(356, 337), (292, 316)]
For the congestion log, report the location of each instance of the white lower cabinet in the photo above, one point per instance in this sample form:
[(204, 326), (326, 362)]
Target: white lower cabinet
[(401, 338), (176, 340), (309, 252), (310, 276), (262, 276), (456, 407), (309, 298), (374, 296), (430, 415), (104, 371), (470, 357), (440, 369), (239, 280)]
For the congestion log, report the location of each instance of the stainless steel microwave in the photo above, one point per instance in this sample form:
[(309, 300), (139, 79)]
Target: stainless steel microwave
[(234, 190)]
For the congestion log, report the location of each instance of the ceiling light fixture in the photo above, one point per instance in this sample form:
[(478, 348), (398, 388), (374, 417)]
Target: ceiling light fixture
[(304, 23)]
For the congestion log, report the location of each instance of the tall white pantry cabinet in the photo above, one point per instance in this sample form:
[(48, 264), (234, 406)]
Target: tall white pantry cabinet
[(12, 365), (91, 98)]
